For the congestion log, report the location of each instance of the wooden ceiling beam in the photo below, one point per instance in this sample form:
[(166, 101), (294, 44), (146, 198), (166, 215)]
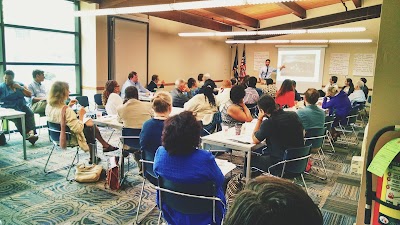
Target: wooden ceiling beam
[(356, 15), (191, 19), (294, 8), (236, 17), (357, 3)]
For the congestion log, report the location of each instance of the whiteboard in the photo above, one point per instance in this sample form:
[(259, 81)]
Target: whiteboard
[(339, 64), (305, 65), (363, 64), (259, 59)]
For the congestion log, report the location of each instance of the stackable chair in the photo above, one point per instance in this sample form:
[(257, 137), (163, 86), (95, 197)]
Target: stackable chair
[(253, 109), (348, 128), (99, 102), (294, 163), (188, 198), (54, 135), (328, 125), (214, 126), (83, 101), (148, 175), (315, 137), (130, 137)]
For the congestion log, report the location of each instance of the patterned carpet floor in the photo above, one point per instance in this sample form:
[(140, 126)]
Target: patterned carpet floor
[(28, 196)]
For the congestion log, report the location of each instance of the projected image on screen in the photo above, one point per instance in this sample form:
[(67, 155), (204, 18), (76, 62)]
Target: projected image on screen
[(302, 64), (298, 65)]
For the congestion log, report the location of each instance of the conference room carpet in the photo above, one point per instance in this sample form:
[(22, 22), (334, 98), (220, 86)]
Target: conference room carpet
[(28, 196)]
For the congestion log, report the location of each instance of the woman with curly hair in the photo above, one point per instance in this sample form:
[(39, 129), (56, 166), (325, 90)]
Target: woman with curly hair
[(111, 98), (285, 95), (180, 160)]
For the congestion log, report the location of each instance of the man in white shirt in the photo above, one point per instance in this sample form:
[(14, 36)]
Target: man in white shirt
[(267, 70), (358, 94), (332, 83), (224, 94), (133, 80), (38, 98)]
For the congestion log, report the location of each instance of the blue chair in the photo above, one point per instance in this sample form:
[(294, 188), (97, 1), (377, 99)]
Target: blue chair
[(130, 137), (83, 101), (148, 174), (54, 135), (315, 137), (294, 163), (99, 102), (214, 126), (253, 109), (188, 198)]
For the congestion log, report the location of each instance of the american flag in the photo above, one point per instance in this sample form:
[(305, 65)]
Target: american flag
[(243, 63)]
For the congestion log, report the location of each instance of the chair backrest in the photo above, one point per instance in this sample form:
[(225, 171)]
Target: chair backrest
[(253, 109), (329, 122), (352, 117), (215, 125), (315, 137), (83, 101), (130, 137), (184, 198), (358, 105), (97, 99), (296, 159), (55, 130)]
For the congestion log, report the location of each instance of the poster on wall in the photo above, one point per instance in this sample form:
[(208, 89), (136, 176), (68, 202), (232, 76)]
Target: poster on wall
[(259, 59), (339, 64), (363, 64)]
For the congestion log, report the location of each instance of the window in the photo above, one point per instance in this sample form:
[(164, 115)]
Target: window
[(42, 34)]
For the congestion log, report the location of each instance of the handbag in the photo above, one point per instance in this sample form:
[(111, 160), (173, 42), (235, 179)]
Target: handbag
[(88, 174), (113, 181), (234, 186), (2, 139)]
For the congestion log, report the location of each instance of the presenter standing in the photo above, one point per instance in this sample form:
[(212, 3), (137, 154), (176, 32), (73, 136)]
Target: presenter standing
[(267, 70)]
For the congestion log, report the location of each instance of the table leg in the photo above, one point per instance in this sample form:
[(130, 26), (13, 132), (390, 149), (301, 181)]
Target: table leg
[(23, 135), (248, 167)]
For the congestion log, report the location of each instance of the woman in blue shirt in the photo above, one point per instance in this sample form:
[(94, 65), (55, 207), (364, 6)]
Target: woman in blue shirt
[(179, 160), (150, 136)]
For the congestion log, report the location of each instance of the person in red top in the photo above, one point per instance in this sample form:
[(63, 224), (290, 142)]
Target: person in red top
[(285, 95)]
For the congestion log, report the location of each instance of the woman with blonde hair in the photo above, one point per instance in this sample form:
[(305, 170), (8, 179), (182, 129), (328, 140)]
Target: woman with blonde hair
[(150, 137), (110, 97), (82, 130)]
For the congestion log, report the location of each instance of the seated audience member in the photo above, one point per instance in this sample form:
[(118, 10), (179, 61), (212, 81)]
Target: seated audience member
[(224, 93), (282, 130), (200, 80), (358, 95), (270, 200), (339, 106), (285, 95), (244, 81), (203, 105), (348, 86), (181, 94), (82, 132), (192, 85), (110, 97), (180, 160), (251, 96), (235, 111), (297, 96), (332, 83), (234, 81), (206, 77), (270, 88), (12, 95), (133, 80), (38, 99), (150, 137), (311, 116), (133, 113), (154, 83), (365, 88)]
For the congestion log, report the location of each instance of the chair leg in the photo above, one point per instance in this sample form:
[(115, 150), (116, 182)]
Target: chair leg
[(323, 164), (355, 134), (330, 141), (48, 159), (140, 201), (304, 182), (73, 164), (159, 217)]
